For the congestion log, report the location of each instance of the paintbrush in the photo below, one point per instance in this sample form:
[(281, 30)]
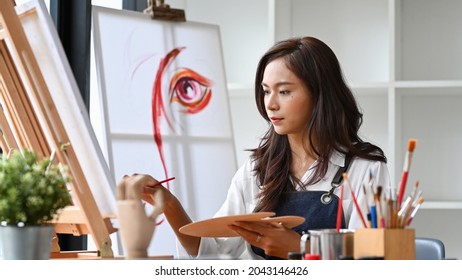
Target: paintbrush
[(420, 200), (374, 214), (345, 177), (368, 213), (370, 207), (163, 181), (373, 206), (407, 208), (380, 217), (414, 190), (407, 165), (414, 203), (402, 213)]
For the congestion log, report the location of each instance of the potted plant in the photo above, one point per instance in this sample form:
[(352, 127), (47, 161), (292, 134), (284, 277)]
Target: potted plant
[(32, 192)]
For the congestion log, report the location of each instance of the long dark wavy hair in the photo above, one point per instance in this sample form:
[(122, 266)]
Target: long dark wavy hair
[(333, 125)]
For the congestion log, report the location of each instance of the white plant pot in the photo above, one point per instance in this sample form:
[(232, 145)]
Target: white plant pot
[(26, 243)]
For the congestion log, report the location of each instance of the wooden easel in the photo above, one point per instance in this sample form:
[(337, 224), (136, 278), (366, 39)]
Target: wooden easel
[(29, 119), (159, 10)]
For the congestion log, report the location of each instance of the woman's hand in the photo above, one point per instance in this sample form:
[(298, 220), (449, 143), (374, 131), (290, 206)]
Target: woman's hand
[(274, 238), (147, 187), (173, 210)]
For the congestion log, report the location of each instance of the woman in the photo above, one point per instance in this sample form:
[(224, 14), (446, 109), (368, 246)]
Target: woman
[(311, 141)]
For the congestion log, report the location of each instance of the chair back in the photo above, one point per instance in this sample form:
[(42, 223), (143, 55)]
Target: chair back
[(429, 249)]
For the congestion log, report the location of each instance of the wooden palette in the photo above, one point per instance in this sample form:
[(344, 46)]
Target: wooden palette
[(218, 227)]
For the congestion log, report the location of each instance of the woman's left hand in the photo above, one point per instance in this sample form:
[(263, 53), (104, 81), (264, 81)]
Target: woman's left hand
[(274, 238)]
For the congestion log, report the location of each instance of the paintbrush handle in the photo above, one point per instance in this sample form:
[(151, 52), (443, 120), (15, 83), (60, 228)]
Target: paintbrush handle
[(406, 216), (402, 187), (382, 223), (374, 216), (358, 209), (414, 211), (406, 167), (380, 219), (163, 181), (355, 202), (389, 214)]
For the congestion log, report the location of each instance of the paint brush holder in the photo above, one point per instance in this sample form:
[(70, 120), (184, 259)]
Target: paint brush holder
[(388, 244)]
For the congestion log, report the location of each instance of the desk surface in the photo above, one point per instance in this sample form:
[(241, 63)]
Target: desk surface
[(93, 255)]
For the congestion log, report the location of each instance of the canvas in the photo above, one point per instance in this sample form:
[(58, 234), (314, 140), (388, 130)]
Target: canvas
[(163, 105), (43, 110)]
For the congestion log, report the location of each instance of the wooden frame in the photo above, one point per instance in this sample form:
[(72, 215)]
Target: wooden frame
[(42, 110)]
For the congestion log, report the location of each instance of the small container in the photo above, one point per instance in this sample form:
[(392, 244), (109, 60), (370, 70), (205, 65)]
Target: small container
[(388, 244), (330, 244), (312, 257), (294, 256)]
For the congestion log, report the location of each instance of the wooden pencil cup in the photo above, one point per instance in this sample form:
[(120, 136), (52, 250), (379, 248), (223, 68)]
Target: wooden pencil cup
[(389, 244)]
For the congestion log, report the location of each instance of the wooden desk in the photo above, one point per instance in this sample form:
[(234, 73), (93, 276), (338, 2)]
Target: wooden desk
[(93, 255)]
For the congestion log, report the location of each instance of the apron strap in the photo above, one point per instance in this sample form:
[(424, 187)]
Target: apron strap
[(338, 176), (326, 198)]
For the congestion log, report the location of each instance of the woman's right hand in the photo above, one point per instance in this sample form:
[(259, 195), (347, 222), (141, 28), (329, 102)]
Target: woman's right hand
[(148, 186)]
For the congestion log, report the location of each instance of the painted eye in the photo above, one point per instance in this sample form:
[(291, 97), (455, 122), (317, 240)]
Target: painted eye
[(191, 90)]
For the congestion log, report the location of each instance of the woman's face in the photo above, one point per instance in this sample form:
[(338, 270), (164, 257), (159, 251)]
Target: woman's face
[(287, 99)]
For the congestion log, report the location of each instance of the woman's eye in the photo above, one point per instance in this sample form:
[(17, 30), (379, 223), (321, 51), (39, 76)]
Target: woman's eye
[(190, 89)]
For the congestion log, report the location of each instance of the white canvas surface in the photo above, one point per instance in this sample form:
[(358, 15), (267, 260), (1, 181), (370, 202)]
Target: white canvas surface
[(198, 148)]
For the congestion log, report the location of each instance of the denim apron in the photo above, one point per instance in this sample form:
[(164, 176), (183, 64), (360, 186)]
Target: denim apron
[(319, 208)]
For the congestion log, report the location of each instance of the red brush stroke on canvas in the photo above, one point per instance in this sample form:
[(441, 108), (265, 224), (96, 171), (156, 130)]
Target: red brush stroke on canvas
[(158, 108), (187, 88)]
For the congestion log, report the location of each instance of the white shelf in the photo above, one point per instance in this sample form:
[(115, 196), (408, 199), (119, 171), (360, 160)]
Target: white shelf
[(444, 205), (428, 84)]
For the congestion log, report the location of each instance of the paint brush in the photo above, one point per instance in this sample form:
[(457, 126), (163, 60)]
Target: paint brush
[(414, 190), (368, 197), (380, 218), (409, 204), (402, 213), (374, 215), (368, 213), (345, 177), (163, 181), (416, 197), (373, 206), (407, 165), (389, 213), (416, 208)]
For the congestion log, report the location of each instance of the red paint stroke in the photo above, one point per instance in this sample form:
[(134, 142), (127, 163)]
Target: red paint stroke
[(188, 88), (158, 108)]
